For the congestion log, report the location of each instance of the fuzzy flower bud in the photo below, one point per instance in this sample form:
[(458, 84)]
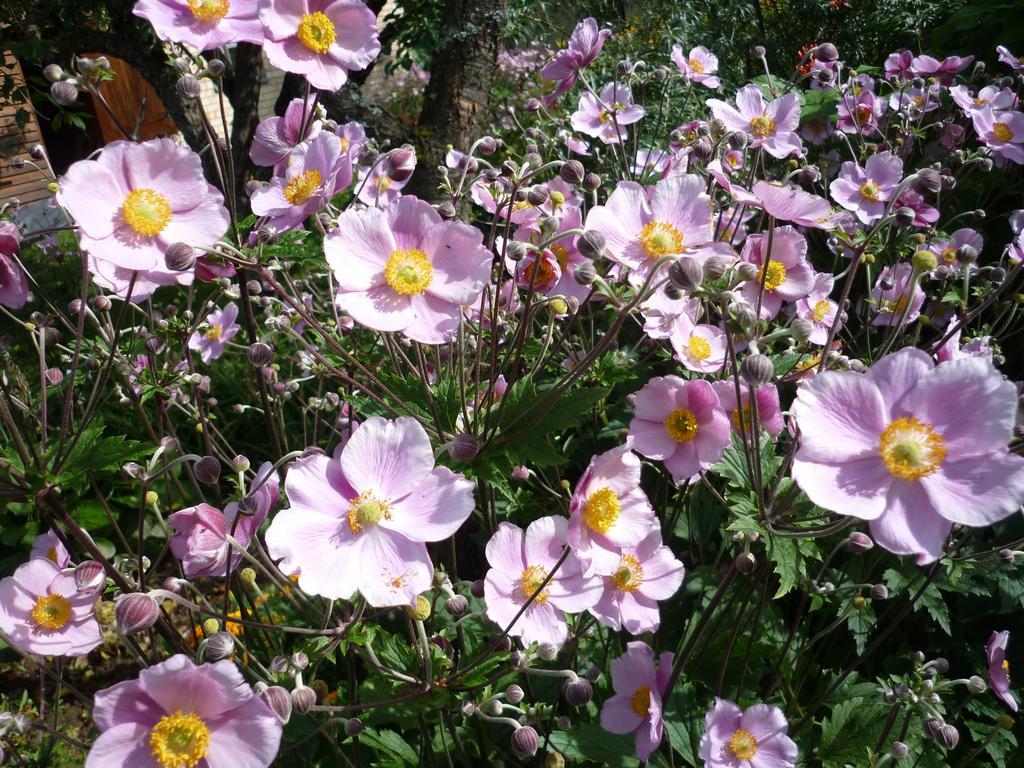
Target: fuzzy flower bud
[(188, 87), (53, 72), (89, 576), (572, 172), (64, 92), (514, 694), (456, 605), (748, 271), (400, 163), (585, 273), (219, 645), (578, 692), (859, 542), (303, 699), (947, 736), (927, 181), (685, 273), (525, 741), (591, 244), (879, 592), (898, 750), (260, 354), (547, 651), (757, 370), (826, 52), (746, 563), (464, 447), (801, 329), (179, 257), (279, 702), (207, 470), (136, 612), (591, 182)]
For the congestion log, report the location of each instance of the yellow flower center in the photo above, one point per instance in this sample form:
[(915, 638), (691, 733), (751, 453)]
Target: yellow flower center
[(948, 254), (51, 555), (561, 256), (409, 272), (345, 144), (302, 187), (545, 273), (601, 510), (146, 211), (604, 117), (641, 701), (762, 126), (1002, 132), (696, 66), (383, 183), (743, 745), (870, 191), (210, 11), (681, 424), (660, 239), (557, 199), (863, 114), (740, 418), (366, 509), (530, 582), (316, 32), (179, 741), (213, 334), (51, 612), (820, 310), (911, 449), (521, 205), (774, 275), (630, 574), (1006, 668), (699, 348)]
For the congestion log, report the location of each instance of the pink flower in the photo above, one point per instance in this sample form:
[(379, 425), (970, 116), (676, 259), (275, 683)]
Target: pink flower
[(1001, 132), (605, 117), (661, 312), (945, 248), (897, 296), (644, 575), (277, 137), (42, 612), (376, 188), (910, 447), (699, 347), (359, 522), (1000, 99), (404, 269), (637, 704), (865, 191), (143, 283), (790, 203), (680, 423), (769, 413), (564, 69), (13, 285), (771, 125), (649, 160), (519, 562), (859, 113), (316, 170), (48, 546), (608, 509), (699, 67), (560, 260), (819, 309), (952, 350), (639, 230), (943, 71), (924, 214), (134, 201), (752, 738), (322, 40), (10, 237), (897, 66), (203, 24), (915, 101), (1016, 63), (221, 328), (788, 276), (999, 668), (177, 714)]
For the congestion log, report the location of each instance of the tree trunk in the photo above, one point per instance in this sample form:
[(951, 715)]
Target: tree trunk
[(243, 91), (456, 99)]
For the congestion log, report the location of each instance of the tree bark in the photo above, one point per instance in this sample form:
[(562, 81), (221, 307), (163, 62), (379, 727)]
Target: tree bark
[(456, 99), (243, 91)]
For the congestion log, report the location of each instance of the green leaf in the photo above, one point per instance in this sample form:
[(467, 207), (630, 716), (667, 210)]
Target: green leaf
[(589, 741), (850, 732), (391, 744), (860, 622), (90, 515), (95, 453)]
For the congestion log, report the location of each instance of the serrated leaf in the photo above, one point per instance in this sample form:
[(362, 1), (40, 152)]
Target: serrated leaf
[(788, 563), (860, 622), (591, 742), (94, 453), (391, 744)]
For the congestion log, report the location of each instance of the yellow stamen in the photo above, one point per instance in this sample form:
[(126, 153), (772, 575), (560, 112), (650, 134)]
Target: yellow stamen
[(821, 310), (641, 701), (870, 191), (302, 187), (1002, 132), (213, 334), (775, 275), (545, 273), (681, 424), (365, 510), (529, 582), (696, 66), (409, 272), (601, 510), (762, 126), (210, 11), (629, 575), (146, 211), (179, 740), (316, 32), (699, 348), (741, 416), (660, 239), (911, 449), (51, 555), (561, 256), (743, 744), (51, 612)]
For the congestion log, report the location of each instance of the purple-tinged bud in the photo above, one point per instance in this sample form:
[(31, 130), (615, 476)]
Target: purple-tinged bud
[(759, 51), (514, 694), (801, 329), (577, 692), (207, 470), (37, 152), (240, 463), (54, 376), (966, 254), (932, 726), (464, 447), (976, 685), (488, 145), (905, 216), (947, 736), (591, 244), (859, 542), (456, 605), (743, 314), (532, 105), (219, 646), (446, 210), (132, 470), (899, 750), (525, 741), (826, 52), (303, 699), (537, 195), (572, 172), (716, 266), (757, 370), (179, 257), (703, 148), (476, 589), (517, 250), (547, 651), (585, 273), (401, 163), (809, 174), (927, 181), (64, 92), (940, 665), (53, 72), (746, 563), (501, 643), (353, 726), (674, 292), (187, 87), (1005, 556), (279, 702), (591, 182), (215, 67), (76, 306), (90, 576), (685, 273), (173, 585), (520, 474), (879, 592), (747, 272), (136, 612), (260, 354)]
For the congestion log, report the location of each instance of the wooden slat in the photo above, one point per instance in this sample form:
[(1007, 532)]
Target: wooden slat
[(26, 184)]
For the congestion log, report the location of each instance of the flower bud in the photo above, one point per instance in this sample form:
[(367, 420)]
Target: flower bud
[(537, 195), (188, 87), (859, 542), (591, 244), (747, 271), (207, 470), (547, 651), (456, 605), (801, 329), (745, 563), (64, 92), (826, 52), (905, 216), (976, 685), (215, 67), (716, 266), (1005, 556), (924, 260), (591, 182), (1004, 722), (446, 210), (585, 273), (464, 447), (685, 273), (303, 699), (136, 612), (400, 163), (532, 104), (572, 172), (898, 750), (353, 726), (927, 181), (757, 370), (879, 592), (932, 726), (759, 51), (179, 257), (743, 314), (476, 589), (279, 702), (488, 145), (809, 174), (420, 611), (966, 254), (219, 646), (53, 72), (260, 354), (89, 576), (525, 741), (578, 692), (514, 694), (554, 760), (947, 736)]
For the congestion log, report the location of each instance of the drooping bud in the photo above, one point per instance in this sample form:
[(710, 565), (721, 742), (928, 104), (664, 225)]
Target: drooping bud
[(89, 576), (591, 182), (947, 736), (716, 266), (53, 72), (927, 181), (591, 244), (188, 87), (537, 195), (747, 271), (859, 542), (303, 699), (488, 145), (260, 354), (685, 273), (585, 273), (905, 216), (136, 612), (219, 646), (547, 651), (476, 589), (456, 605), (578, 692), (464, 447), (64, 92), (746, 563), (400, 163), (279, 702), (757, 370), (215, 67), (801, 329), (207, 470), (514, 694), (879, 592), (572, 172), (966, 254), (525, 741), (179, 257), (976, 685), (1005, 556), (353, 726), (898, 750), (826, 52)]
